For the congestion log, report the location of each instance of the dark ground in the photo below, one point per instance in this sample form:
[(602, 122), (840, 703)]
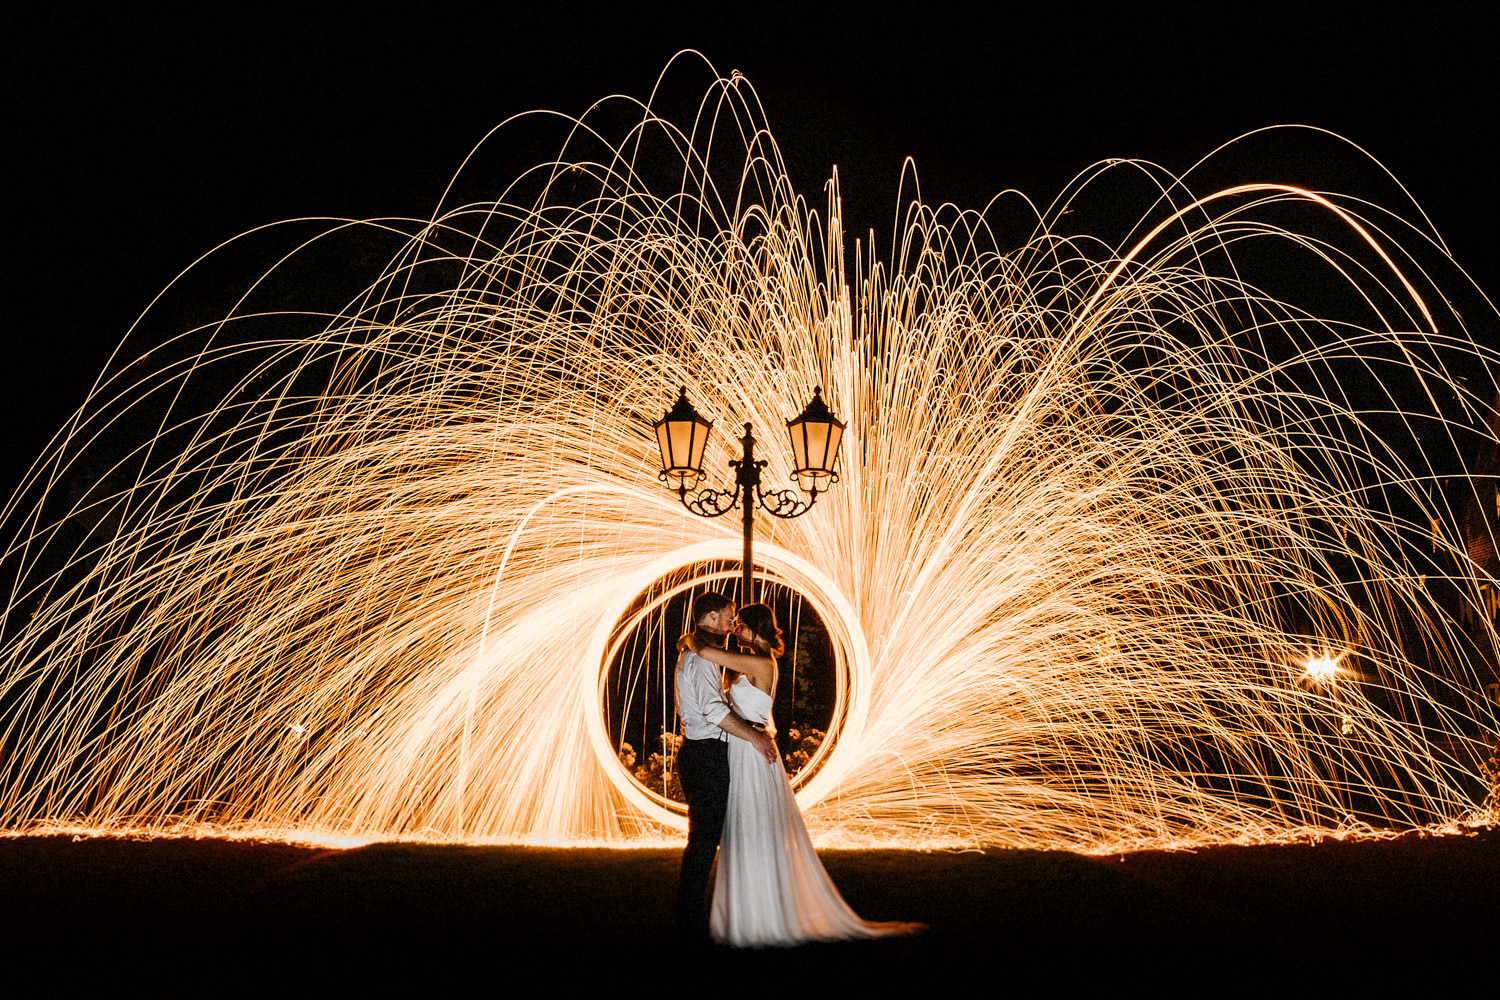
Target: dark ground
[(217, 917)]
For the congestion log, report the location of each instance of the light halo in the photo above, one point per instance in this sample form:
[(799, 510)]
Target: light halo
[(851, 653)]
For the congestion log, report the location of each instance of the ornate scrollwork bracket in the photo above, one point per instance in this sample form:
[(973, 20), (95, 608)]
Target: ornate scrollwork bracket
[(709, 501)]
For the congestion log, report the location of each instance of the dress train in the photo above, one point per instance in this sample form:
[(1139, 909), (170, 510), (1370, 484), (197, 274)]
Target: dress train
[(771, 889)]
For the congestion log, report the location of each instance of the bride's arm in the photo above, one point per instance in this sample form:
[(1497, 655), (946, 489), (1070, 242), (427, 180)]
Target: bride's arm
[(758, 667)]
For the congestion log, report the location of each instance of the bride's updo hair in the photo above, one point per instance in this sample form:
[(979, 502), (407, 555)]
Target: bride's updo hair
[(762, 621)]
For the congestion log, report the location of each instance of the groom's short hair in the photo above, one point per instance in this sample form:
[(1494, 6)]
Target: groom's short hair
[(707, 603)]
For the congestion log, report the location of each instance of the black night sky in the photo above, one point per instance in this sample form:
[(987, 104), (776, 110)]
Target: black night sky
[(138, 142)]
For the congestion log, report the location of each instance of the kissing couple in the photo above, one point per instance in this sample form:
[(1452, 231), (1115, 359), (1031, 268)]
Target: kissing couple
[(771, 888)]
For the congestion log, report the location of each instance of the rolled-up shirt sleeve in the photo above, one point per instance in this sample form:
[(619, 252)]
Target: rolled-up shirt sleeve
[(700, 699)]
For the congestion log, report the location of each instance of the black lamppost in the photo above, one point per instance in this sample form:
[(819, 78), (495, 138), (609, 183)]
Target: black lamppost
[(682, 434)]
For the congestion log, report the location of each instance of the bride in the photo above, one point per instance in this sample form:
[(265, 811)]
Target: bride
[(771, 888)]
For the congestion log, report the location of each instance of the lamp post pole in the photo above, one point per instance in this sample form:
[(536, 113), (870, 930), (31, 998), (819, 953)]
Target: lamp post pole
[(747, 477), (682, 436)]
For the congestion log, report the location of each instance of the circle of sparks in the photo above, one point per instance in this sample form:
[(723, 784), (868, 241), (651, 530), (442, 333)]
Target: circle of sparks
[(1093, 499), (851, 652)]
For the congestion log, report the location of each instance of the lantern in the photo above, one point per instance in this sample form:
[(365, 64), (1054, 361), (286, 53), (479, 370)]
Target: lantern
[(682, 434), (815, 435)]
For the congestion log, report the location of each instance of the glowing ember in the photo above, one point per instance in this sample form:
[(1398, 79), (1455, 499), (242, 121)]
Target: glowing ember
[(1321, 668), (1092, 501)]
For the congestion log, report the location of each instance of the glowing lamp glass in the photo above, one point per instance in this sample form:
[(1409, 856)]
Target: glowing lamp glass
[(682, 434), (815, 435)]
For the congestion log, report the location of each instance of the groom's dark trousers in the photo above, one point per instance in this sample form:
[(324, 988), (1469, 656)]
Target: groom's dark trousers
[(703, 768)]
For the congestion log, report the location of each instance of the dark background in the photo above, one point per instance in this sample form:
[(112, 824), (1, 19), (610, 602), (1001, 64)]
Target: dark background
[(1336, 918), (138, 142)]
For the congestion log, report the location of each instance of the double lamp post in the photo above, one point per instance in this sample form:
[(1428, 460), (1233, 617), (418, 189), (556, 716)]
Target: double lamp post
[(682, 434)]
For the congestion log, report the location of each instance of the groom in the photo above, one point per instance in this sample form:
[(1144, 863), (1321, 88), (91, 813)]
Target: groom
[(703, 759)]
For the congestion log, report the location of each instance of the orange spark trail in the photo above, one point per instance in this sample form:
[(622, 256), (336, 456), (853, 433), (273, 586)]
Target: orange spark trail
[(1097, 508)]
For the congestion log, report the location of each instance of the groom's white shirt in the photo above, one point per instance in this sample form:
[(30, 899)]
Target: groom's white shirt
[(700, 698)]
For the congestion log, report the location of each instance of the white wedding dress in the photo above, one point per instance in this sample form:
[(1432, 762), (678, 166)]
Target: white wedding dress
[(771, 888)]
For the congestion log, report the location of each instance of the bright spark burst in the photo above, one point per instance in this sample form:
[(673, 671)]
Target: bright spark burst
[(1322, 667), (1093, 500)]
